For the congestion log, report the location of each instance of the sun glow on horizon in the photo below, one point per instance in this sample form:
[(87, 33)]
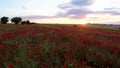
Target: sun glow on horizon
[(83, 22), (57, 20)]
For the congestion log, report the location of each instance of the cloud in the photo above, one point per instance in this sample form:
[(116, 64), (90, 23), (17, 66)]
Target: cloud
[(76, 3), (64, 6), (75, 13), (106, 12), (82, 13), (72, 10), (37, 17), (25, 7), (82, 2), (112, 12), (103, 18), (112, 9), (72, 13), (76, 9)]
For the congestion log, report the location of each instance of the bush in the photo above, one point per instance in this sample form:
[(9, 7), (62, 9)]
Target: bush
[(119, 28), (74, 25)]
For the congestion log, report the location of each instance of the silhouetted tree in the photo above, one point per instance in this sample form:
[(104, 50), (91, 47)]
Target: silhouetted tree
[(27, 22), (16, 20), (33, 23), (4, 20), (23, 22)]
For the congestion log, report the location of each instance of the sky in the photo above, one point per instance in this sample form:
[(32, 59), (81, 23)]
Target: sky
[(63, 11)]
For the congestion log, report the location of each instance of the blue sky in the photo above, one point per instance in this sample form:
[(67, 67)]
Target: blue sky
[(63, 11)]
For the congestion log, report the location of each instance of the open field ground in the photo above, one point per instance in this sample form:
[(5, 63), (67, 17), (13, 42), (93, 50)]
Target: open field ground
[(59, 46)]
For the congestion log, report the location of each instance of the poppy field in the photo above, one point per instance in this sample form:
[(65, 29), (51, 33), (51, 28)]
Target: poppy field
[(58, 46)]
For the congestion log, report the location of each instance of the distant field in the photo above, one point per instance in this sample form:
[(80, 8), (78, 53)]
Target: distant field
[(111, 27), (59, 46), (117, 28)]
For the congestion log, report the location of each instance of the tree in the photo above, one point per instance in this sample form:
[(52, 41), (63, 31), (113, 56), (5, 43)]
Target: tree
[(16, 20), (27, 22), (4, 20), (23, 22)]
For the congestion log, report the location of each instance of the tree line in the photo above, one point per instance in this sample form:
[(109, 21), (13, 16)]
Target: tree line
[(15, 20)]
